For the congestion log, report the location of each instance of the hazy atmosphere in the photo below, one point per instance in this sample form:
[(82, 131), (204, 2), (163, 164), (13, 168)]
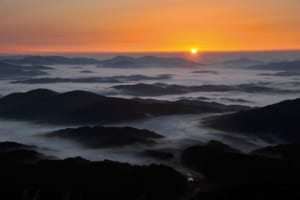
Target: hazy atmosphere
[(149, 100)]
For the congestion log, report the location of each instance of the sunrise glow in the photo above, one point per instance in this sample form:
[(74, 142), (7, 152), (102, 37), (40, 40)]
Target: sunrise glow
[(148, 26)]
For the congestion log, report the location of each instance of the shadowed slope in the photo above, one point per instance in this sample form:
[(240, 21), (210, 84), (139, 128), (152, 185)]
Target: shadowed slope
[(105, 137), (80, 107), (279, 121)]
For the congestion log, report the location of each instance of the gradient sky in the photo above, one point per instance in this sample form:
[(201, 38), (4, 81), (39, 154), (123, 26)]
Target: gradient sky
[(36, 26)]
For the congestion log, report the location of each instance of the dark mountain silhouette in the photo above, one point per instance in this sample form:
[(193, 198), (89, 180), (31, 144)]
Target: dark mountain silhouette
[(280, 66), (289, 152), (205, 72), (118, 61), (241, 176), (238, 100), (76, 178), (106, 137), (86, 72), (283, 74), (157, 89), (68, 80), (21, 156), (111, 79), (51, 60), (37, 67), (8, 70), (80, 107), (225, 172), (228, 166), (157, 154), (13, 146), (146, 61), (242, 62), (277, 121)]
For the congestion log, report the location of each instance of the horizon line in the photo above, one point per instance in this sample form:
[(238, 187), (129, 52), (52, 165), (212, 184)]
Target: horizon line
[(148, 52)]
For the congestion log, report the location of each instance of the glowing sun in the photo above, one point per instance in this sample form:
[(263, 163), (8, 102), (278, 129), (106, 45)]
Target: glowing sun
[(194, 51)]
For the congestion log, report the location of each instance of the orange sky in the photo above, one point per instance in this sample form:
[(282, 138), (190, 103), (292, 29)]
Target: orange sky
[(41, 26)]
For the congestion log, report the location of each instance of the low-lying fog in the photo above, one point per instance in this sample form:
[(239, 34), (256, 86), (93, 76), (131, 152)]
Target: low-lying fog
[(179, 130), (179, 76)]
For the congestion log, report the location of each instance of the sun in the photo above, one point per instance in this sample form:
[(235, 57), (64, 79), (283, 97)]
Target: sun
[(194, 51)]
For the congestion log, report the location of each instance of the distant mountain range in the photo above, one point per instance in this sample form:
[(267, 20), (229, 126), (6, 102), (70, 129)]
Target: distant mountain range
[(81, 107), (109, 79), (157, 89), (242, 62), (51, 60), (280, 66), (282, 73), (146, 61), (15, 70), (118, 61)]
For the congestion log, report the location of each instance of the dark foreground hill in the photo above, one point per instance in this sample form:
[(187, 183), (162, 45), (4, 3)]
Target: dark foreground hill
[(79, 179), (277, 121), (80, 107), (225, 172), (289, 152), (105, 137), (241, 176)]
